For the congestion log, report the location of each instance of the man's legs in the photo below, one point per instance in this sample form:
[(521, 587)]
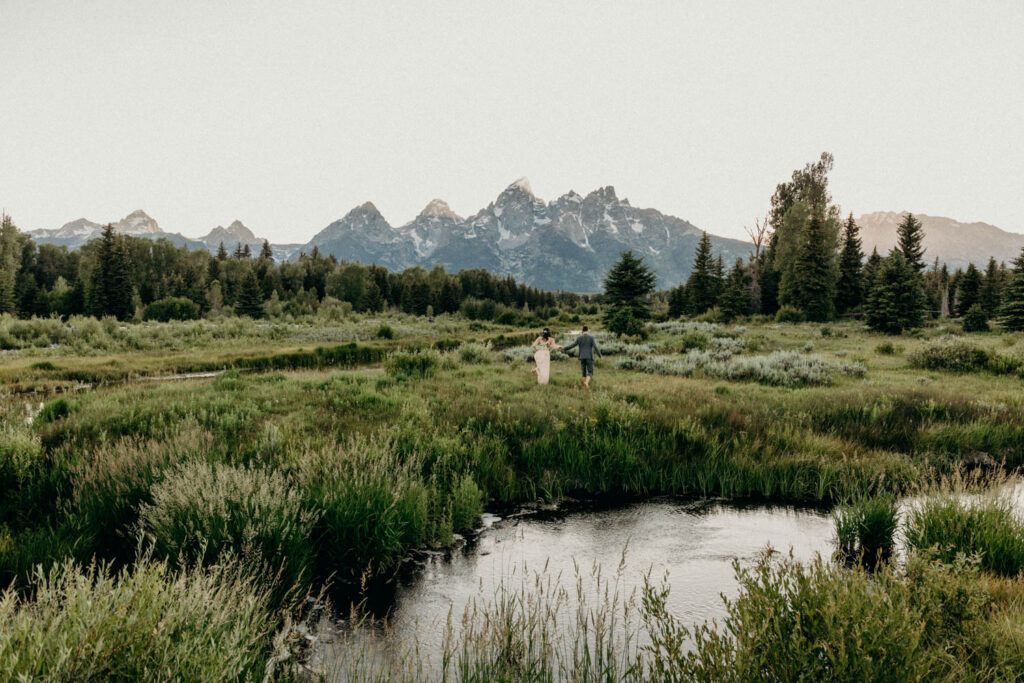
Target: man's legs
[(587, 366)]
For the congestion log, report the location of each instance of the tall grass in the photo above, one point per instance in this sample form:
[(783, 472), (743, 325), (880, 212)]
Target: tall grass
[(144, 623), (925, 620), (866, 528), (958, 523), (211, 513)]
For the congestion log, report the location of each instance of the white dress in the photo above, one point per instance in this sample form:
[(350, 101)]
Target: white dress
[(543, 359)]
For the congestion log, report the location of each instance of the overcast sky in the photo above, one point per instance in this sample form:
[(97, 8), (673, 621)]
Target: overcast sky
[(287, 114)]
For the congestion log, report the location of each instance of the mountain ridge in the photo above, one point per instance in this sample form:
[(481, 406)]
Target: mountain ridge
[(567, 243)]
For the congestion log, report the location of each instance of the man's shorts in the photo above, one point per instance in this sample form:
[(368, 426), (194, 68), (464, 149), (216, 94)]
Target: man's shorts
[(587, 366)]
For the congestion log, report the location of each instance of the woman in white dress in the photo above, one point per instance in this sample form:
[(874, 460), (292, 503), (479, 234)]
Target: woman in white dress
[(542, 346)]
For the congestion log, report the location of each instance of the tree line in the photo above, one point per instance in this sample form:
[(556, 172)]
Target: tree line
[(808, 264), (129, 277)]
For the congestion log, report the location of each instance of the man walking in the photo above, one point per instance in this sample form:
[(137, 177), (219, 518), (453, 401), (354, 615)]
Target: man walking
[(588, 350)]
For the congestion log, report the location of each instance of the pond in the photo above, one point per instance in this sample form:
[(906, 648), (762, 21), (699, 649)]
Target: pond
[(695, 543)]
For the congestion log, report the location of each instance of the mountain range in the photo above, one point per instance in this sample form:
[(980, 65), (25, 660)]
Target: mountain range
[(568, 243), (954, 243)]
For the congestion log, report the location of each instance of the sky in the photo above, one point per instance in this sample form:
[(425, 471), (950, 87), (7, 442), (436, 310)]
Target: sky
[(286, 115)]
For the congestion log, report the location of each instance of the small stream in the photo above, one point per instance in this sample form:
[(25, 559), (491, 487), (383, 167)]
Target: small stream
[(695, 542)]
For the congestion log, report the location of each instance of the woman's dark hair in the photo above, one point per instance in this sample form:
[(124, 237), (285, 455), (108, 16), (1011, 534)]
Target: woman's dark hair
[(545, 333)]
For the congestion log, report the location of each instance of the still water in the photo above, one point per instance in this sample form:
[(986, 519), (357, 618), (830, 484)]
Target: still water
[(694, 543)]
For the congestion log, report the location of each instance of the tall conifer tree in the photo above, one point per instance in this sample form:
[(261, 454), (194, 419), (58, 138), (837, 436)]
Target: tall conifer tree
[(701, 286), (627, 287), (1012, 309), (849, 289), (910, 237), (813, 278)]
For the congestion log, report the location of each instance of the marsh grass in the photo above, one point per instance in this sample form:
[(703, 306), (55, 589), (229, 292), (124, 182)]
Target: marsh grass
[(866, 528), (961, 522), (147, 622), (202, 513)]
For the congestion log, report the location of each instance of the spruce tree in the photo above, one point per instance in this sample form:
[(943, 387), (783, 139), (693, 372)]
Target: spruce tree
[(111, 291), (813, 279), (736, 300), (677, 302), (120, 287), (266, 252), (701, 286), (969, 290), (10, 262), (1012, 310), (896, 302), (991, 288), (910, 236), (627, 287), (849, 289), (250, 297), (222, 253)]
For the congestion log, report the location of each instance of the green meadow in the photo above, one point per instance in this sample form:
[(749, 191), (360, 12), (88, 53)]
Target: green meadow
[(175, 528)]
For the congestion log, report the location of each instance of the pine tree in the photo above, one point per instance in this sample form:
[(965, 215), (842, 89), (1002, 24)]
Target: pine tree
[(896, 302), (111, 291), (222, 253), (10, 262), (910, 236), (120, 288), (700, 286), (627, 287), (266, 252), (849, 288), (991, 288), (736, 300), (246, 252), (1012, 309), (250, 297), (969, 291), (677, 302), (813, 279)]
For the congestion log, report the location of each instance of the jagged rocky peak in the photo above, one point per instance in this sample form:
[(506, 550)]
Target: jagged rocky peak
[(438, 208), (520, 187), (605, 195), (138, 222)]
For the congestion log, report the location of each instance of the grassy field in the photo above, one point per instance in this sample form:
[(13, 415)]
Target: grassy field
[(324, 451)]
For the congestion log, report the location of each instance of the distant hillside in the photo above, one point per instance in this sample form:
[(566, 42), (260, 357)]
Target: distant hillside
[(954, 243)]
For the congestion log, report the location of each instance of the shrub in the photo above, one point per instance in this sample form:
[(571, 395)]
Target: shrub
[(473, 353), (794, 622), (986, 526), (865, 528), (975, 320), (144, 623), (385, 332), (416, 365), (782, 368), (173, 308), (53, 410), (790, 314), (209, 513), (887, 348), (446, 345), (955, 356)]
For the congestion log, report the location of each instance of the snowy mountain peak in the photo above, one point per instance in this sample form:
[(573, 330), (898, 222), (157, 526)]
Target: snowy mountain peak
[(440, 209)]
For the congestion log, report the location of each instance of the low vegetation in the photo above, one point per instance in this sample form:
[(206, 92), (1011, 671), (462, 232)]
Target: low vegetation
[(328, 466)]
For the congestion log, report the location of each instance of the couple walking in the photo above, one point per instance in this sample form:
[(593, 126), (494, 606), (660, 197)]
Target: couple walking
[(543, 344)]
